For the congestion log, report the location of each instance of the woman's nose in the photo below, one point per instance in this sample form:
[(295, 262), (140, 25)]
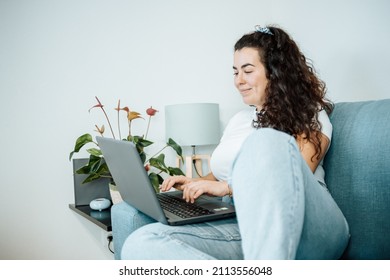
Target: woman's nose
[(239, 80)]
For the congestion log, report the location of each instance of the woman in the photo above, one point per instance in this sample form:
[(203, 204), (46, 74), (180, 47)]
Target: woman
[(270, 160)]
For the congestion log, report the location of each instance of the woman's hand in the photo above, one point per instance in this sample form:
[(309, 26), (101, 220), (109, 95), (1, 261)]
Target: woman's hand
[(193, 190), (176, 182)]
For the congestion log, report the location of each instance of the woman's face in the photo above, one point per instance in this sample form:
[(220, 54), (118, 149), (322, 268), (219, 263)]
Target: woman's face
[(249, 76)]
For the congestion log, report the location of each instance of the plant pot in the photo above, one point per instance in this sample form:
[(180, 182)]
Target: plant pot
[(115, 194)]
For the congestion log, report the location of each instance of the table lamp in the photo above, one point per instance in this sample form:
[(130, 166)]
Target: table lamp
[(193, 124)]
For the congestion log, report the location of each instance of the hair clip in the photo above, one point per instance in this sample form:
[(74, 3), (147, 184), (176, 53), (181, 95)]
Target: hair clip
[(265, 30)]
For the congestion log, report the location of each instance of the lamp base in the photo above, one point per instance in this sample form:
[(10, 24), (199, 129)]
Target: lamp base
[(195, 162)]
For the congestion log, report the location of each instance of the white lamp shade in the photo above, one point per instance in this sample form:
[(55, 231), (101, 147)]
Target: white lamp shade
[(193, 124)]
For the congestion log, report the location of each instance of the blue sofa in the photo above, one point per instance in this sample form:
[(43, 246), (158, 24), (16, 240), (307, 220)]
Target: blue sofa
[(357, 169)]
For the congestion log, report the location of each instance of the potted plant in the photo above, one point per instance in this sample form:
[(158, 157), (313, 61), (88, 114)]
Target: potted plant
[(97, 168)]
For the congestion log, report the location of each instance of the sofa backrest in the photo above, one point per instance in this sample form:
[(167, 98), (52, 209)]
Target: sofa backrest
[(357, 168)]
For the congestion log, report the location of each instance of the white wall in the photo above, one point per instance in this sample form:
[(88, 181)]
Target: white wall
[(55, 56)]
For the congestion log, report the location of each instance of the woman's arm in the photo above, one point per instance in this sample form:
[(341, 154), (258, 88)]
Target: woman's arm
[(209, 177), (308, 151)]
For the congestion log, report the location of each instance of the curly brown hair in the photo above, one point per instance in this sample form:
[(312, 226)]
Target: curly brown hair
[(294, 94)]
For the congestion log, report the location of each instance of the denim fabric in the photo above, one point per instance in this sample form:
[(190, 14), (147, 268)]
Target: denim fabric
[(358, 175), (203, 241), (283, 213), (125, 219)]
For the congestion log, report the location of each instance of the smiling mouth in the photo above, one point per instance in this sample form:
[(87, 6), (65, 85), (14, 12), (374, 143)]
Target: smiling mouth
[(245, 91)]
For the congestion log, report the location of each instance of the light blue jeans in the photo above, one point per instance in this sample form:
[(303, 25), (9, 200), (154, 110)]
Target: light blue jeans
[(282, 213)]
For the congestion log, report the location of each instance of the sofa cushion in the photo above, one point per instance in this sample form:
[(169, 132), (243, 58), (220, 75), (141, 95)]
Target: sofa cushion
[(357, 168)]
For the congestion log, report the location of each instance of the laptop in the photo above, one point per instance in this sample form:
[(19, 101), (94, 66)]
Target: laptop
[(134, 185)]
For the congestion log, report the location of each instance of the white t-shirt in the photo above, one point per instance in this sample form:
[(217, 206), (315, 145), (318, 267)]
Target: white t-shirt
[(237, 130)]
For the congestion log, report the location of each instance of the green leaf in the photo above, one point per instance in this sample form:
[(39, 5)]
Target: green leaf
[(103, 168), (97, 170), (158, 162), (172, 171), (142, 155), (154, 179), (90, 166), (142, 142), (95, 152), (86, 169), (160, 179), (176, 147), (80, 142), (161, 157), (91, 177), (139, 140), (94, 163), (83, 170)]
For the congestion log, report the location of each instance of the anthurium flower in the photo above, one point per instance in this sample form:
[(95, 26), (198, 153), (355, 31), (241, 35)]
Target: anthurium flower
[(100, 130), (150, 111), (122, 109), (99, 105), (131, 115), (125, 109)]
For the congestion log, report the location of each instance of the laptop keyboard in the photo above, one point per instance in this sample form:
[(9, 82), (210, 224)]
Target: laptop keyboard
[(180, 207)]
